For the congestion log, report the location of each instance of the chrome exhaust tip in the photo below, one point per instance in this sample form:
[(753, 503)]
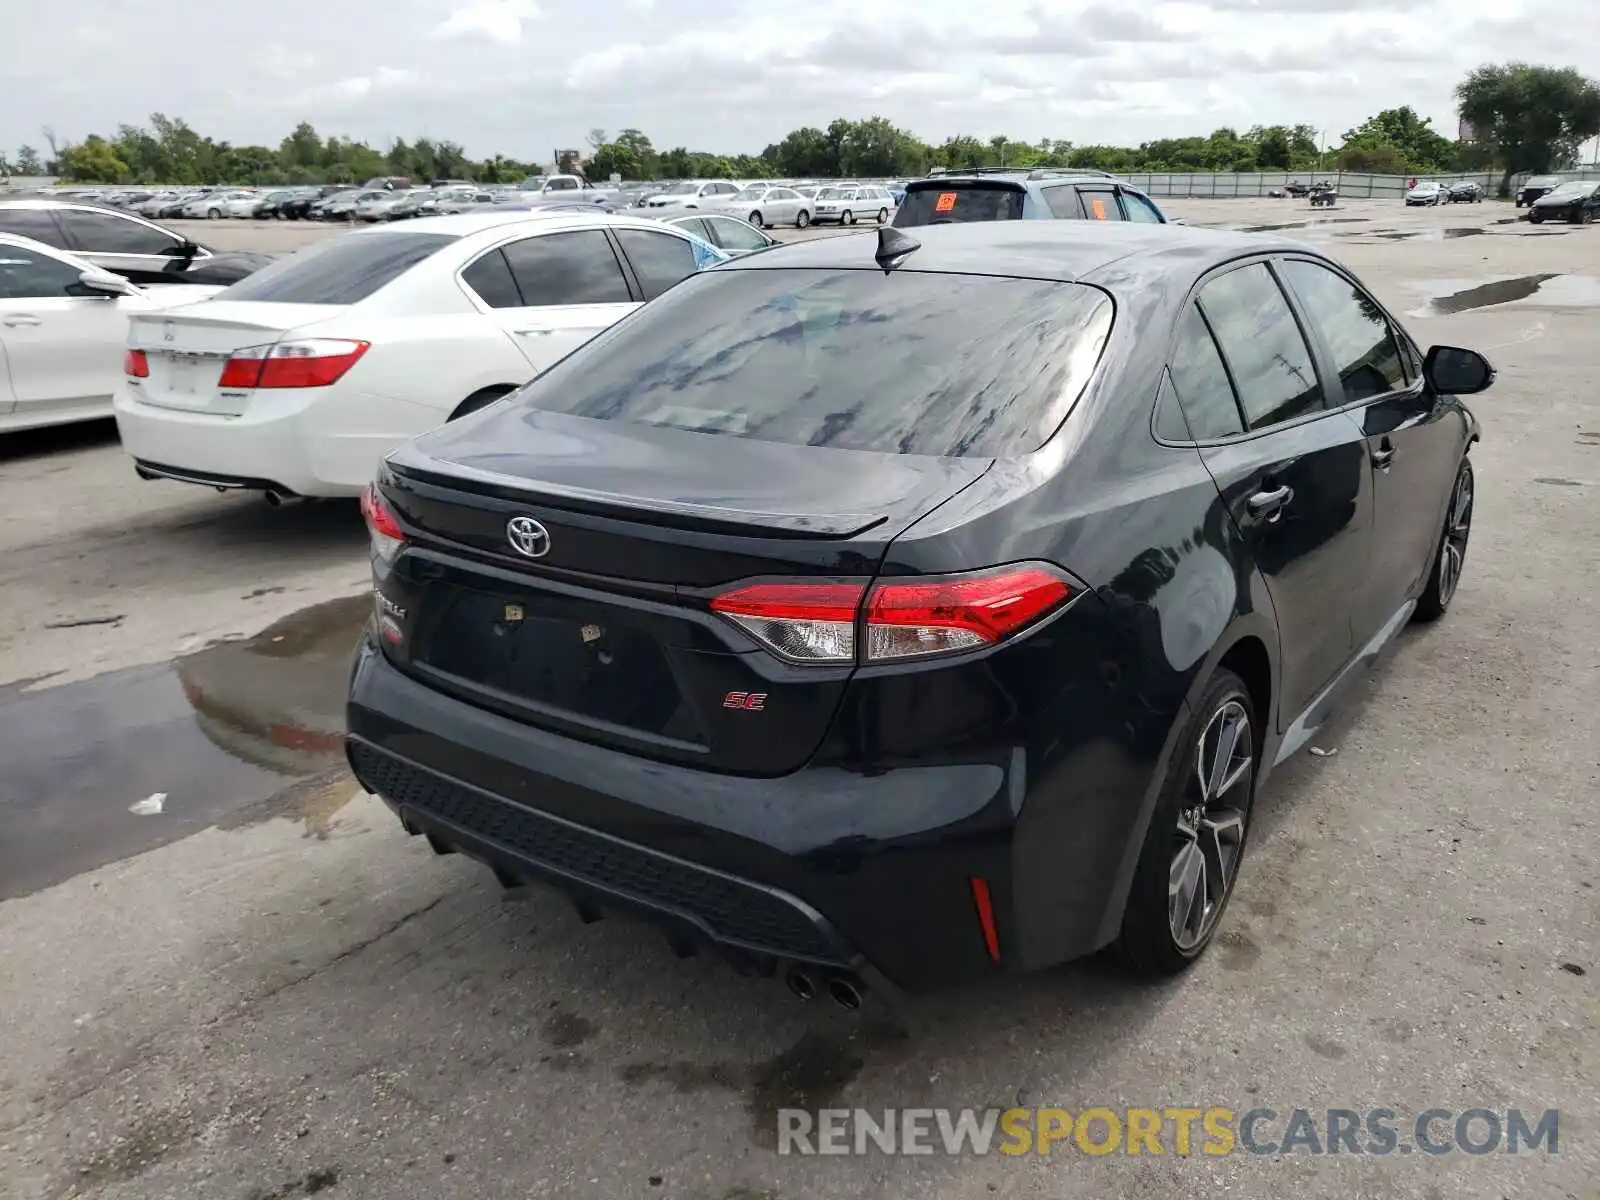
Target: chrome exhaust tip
[(844, 993)]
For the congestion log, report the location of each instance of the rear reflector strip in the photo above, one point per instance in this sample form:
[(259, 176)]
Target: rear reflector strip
[(980, 901)]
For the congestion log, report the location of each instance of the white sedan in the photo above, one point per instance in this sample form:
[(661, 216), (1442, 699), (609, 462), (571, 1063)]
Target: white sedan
[(64, 333), (297, 380), (213, 206)]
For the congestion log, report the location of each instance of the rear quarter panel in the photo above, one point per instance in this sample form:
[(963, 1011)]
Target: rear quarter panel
[(1094, 709)]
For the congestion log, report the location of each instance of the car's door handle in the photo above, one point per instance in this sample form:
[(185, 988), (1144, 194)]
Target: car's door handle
[(1382, 458), (1270, 504), (15, 319)]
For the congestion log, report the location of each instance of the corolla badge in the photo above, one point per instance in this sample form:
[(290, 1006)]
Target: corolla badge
[(527, 537)]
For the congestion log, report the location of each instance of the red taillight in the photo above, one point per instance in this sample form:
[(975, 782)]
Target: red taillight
[(816, 622), (136, 364), (387, 536), (806, 622), (302, 363), (911, 618)]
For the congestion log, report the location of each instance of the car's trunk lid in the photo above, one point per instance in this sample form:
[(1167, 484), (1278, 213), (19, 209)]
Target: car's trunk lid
[(607, 635), (187, 348)]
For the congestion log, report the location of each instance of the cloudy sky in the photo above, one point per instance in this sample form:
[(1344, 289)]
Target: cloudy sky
[(522, 77)]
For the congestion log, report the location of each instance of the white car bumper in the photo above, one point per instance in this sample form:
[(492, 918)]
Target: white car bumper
[(306, 441)]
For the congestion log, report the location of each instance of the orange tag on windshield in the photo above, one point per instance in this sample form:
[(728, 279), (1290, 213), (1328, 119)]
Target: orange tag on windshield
[(1099, 209), (945, 202)]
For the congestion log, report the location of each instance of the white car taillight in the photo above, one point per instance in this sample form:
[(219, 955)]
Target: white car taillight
[(298, 363)]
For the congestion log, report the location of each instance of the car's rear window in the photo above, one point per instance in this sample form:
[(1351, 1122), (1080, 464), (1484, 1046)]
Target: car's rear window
[(937, 205), (341, 270), (909, 362)]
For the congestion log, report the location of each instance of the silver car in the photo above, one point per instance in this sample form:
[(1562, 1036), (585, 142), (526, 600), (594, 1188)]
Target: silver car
[(764, 204), (845, 205), (724, 232), (691, 193)]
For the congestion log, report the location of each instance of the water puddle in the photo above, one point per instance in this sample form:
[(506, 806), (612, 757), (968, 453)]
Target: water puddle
[(238, 732), (1543, 291), (1299, 224)]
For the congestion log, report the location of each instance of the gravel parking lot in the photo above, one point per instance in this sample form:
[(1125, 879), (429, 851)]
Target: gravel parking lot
[(265, 990)]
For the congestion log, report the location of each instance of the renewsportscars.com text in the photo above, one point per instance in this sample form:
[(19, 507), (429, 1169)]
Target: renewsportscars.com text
[(1167, 1130)]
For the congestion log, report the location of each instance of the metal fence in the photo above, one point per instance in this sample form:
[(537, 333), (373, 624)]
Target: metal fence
[(1352, 185)]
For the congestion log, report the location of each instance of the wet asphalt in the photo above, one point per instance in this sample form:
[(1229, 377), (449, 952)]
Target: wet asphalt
[(199, 1001)]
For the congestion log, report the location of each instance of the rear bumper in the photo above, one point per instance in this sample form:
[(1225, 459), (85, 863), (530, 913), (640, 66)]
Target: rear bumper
[(869, 876), (317, 442)]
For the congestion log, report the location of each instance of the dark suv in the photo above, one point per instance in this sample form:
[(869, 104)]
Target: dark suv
[(993, 194)]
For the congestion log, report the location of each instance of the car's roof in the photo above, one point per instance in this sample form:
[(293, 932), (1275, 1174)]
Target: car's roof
[(467, 224), (1063, 250)]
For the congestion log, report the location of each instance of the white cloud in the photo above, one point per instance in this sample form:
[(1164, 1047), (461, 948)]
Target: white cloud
[(519, 77), (497, 20)]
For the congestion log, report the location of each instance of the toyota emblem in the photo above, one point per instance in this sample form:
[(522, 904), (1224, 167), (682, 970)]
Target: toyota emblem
[(527, 537)]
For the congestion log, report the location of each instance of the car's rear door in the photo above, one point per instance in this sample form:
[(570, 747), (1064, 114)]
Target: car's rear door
[(551, 292), (1099, 202), (1293, 473), (1414, 442), (118, 242)]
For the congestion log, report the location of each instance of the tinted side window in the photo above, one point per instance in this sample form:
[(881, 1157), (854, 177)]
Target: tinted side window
[(491, 278), (1355, 330), (102, 233), (1263, 346), (696, 226), (341, 270), (735, 235), (1139, 209), (1100, 204), (567, 268), (1201, 382), (1063, 202), (659, 259), (27, 275), (35, 223)]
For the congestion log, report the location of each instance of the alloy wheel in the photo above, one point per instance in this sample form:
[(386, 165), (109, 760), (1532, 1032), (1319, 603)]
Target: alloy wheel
[(1211, 825), (1458, 527)]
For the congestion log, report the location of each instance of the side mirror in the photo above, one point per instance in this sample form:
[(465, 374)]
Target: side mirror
[(1452, 371), (97, 283), (184, 249), (1176, 221)]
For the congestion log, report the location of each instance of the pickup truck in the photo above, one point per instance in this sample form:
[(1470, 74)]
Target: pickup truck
[(565, 187)]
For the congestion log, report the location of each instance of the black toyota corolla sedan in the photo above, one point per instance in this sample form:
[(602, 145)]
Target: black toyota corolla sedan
[(907, 607)]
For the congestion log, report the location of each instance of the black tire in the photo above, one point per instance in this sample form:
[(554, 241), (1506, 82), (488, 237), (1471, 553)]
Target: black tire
[(213, 214), (1151, 942), (883, 216), (481, 399), (1450, 558), (847, 218), (1536, 217), (755, 219), (802, 219)]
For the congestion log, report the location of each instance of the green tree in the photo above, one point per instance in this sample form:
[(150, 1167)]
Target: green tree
[(1535, 117), (1416, 144), (803, 153), (28, 161), (93, 162), (613, 158)]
